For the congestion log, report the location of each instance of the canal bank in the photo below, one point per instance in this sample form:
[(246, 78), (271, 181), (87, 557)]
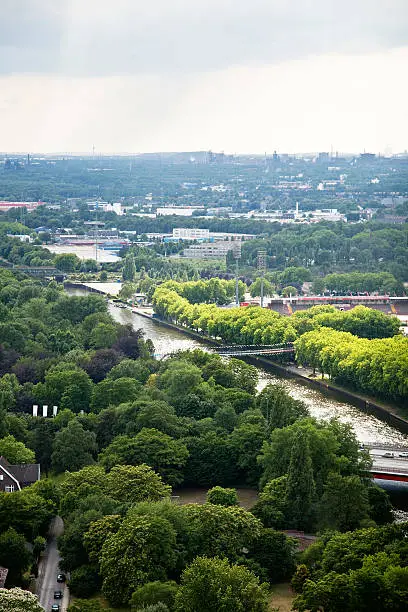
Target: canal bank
[(386, 413)]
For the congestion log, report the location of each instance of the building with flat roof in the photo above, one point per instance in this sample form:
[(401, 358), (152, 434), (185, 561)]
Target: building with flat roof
[(190, 233), (180, 211), (209, 250)]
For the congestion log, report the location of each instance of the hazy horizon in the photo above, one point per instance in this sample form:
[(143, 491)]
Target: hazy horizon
[(184, 76)]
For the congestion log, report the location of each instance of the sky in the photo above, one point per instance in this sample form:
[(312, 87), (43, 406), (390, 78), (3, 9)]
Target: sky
[(240, 76)]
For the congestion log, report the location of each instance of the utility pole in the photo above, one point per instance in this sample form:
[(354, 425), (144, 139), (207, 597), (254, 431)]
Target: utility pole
[(261, 260)]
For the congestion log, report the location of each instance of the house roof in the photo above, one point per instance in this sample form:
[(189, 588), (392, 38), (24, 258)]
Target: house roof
[(24, 473)]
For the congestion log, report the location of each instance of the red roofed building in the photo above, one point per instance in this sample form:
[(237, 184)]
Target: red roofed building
[(5, 206)]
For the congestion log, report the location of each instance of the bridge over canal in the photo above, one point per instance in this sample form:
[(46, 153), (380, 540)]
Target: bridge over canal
[(240, 350)]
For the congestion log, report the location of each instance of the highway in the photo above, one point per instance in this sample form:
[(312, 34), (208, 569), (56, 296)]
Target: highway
[(49, 569), (396, 463)]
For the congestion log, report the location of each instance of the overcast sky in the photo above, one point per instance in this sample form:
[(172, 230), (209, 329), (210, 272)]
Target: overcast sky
[(181, 75)]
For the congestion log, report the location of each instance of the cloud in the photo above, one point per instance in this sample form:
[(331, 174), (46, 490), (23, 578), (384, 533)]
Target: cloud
[(299, 105), (133, 37)]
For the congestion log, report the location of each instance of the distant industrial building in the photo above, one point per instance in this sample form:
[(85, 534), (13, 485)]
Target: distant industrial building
[(30, 206), (181, 211), (199, 234), (21, 237), (208, 250), (190, 233)]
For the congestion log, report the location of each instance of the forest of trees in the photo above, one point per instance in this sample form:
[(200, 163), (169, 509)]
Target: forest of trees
[(131, 429)]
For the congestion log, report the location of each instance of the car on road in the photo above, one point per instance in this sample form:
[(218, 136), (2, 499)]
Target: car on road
[(402, 454), (57, 594), (389, 455), (61, 578), (55, 608)]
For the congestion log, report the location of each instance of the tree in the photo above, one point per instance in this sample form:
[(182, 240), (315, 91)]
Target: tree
[(84, 581), (73, 448), (101, 362), (26, 511), (129, 483), (212, 584), (222, 497), (67, 262), (17, 600), (67, 386), (179, 379), (40, 439), (129, 269), (219, 530), (14, 555), (288, 291), (143, 550), (278, 407), (103, 336), (15, 452), (9, 387), (164, 454), (114, 392), (344, 504), (275, 552), (300, 487), (38, 546), (255, 288), (380, 506), (271, 508), (129, 368), (153, 593), (98, 532)]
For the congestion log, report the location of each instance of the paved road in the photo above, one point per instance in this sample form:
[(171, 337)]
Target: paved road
[(397, 463), (49, 569)]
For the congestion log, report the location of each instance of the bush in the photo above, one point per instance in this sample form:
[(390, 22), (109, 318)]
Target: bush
[(154, 593), (222, 497), (299, 578)]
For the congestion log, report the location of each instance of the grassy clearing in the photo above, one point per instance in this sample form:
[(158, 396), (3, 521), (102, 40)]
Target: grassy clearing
[(246, 497), (282, 597)]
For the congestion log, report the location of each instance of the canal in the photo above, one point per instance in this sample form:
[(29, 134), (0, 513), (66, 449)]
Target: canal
[(368, 428)]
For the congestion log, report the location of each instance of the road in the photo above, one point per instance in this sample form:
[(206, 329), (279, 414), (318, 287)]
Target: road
[(397, 463), (49, 569)]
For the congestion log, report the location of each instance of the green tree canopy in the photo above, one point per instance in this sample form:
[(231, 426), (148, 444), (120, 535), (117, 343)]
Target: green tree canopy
[(213, 584)]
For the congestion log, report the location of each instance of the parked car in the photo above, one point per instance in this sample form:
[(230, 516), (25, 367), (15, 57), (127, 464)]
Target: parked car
[(403, 455), (55, 608), (57, 594), (389, 455), (61, 578)]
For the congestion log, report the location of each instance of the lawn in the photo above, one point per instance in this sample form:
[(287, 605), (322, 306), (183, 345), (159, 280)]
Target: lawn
[(246, 497)]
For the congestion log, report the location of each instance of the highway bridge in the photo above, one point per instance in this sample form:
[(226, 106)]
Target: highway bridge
[(390, 463)]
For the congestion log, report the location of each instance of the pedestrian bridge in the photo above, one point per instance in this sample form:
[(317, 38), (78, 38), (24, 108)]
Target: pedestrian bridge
[(240, 350)]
